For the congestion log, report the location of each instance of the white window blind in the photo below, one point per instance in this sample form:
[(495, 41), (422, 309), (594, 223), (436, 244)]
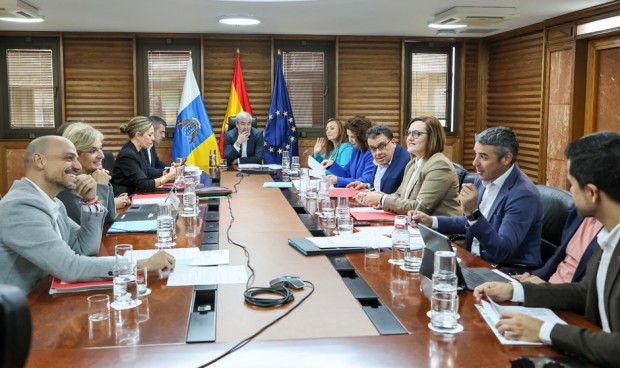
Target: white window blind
[(31, 88), (166, 74), (429, 85), (304, 75)]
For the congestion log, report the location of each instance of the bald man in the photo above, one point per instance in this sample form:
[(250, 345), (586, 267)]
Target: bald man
[(36, 236)]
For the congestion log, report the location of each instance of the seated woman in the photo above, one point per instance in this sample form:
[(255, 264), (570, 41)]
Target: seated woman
[(430, 183), (361, 166), (335, 147), (88, 144), (130, 170)]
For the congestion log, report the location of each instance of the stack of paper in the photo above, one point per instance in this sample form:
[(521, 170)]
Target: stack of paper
[(316, 169), (354, 240)]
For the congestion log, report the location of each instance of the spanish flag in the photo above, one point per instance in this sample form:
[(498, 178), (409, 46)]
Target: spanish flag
[(193, 135), (237, 101)]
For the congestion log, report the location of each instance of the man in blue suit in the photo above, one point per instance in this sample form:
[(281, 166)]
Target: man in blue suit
[(156, 167), (244, 143), (390, 160), (568, 263), (502, 209)]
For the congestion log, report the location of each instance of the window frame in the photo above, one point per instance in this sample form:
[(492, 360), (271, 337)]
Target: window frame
[(328, 47), (143, 46), (28, 42), (452, 50)]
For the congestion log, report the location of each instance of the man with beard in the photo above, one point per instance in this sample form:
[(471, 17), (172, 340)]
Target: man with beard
[(36, 236), (244, 143)]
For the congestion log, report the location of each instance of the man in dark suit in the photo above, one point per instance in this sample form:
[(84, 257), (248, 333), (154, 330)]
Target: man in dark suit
[(593, 173), (156, 167), (244, 143), (568, 263), (390, 160), (503, 209)]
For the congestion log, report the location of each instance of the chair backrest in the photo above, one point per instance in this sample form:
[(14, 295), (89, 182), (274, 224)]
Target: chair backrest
[(108, 161), (461, 173), (232, 122), (470, 178), (557, 204)]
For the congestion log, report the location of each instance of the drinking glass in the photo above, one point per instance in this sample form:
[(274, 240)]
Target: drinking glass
[(123, 254), (190, 208), (444, 263), (400, 240), (324, 186), (165, 226), (223, 165), (98, 307), (345, 225), (295, 165), (343, 209), (286, 161), (413, 259), (444, 311), (142, 280)]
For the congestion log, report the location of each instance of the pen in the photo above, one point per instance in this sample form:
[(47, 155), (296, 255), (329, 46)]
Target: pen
[(417, 207)]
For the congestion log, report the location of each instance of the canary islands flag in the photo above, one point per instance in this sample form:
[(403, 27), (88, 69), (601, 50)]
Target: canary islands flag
[(280, 131), (193, 136), (237, 100)]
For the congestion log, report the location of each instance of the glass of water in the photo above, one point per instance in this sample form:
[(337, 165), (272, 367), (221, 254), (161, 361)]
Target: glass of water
[(190, 207), (400, 240), (444, 310), (295, 165), (413, 259), (165, 226), (345, 225), (125, 287)]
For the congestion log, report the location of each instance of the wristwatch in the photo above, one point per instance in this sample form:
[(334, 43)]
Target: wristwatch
[(474, 215)]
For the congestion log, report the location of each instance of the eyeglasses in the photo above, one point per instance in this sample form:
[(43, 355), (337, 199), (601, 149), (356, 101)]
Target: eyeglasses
[(528, 362), (415, 133), (380, 148)]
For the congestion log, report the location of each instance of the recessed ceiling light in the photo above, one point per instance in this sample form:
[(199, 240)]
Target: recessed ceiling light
[(239, 20), (21, 20), (446, 26)]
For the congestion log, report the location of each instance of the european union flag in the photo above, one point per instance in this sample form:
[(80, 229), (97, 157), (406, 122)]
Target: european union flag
[(280, 131)]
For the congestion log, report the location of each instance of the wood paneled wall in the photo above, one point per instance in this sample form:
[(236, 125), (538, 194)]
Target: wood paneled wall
[(473, 89), (99, 84), (514, 95)]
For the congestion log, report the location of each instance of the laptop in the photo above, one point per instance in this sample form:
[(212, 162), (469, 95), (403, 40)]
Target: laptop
[(468, 278)]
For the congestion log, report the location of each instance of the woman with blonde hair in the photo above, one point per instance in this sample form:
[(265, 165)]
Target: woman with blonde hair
[(88, 143), (130, 170), (336, 147), (430, 183)]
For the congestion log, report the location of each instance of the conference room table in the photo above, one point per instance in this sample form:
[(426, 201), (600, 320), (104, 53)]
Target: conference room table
[(329, 329)]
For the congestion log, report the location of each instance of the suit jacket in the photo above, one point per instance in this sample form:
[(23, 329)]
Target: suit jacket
[(156, 166), (130, 173), (573, 221), (511, 233), (254, 147), (30, 247), (359, 168), (436, 183), (581, 297), (393, 175)]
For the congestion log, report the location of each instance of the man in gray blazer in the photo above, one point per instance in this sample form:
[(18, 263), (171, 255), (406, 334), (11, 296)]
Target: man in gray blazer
[(37, 237), (594, 175)]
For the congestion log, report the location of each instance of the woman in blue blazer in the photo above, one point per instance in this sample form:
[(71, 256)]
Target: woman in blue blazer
[(336, 148), (360, 167)]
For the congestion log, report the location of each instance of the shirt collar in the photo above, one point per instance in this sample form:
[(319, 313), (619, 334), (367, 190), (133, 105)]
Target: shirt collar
[(609, 239), (499, 182), (51, 203)]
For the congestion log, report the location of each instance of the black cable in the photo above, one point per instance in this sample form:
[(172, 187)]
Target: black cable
[(286, 296), (245, 341)]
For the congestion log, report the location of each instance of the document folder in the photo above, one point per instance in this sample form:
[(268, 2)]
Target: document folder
[(307, 248)]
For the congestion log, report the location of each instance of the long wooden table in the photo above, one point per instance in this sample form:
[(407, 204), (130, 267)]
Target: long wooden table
[(329, 329)]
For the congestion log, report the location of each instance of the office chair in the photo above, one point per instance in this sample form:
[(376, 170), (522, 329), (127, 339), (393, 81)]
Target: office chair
[(461, 173), (232, 122), (556, 206), (108, 161), (15, 327)]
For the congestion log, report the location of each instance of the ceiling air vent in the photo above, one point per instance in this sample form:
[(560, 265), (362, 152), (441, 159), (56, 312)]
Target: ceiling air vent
[(476, 16), (17, 9)]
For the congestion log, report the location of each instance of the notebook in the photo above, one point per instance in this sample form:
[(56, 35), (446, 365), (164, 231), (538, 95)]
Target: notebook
[(468, 278)]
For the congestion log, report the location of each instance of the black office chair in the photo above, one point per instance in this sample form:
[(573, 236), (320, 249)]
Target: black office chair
[(232, 122), (108, 161), (461, 173), (470, 178), (557, 204), (15, 327)]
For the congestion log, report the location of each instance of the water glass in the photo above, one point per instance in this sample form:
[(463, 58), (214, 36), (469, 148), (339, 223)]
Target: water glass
[(190, 206), (125, 289), (304, 183), (165, 226), (324, 186), (413, 259), (98, 307), (343, 209), (142, 280), (345, 225), (400, 245), (286, 161), (444, 263), (372, 251), (223, 165), (123, 254), (127, 330), (444, 311), (295, 165), (326, 207)]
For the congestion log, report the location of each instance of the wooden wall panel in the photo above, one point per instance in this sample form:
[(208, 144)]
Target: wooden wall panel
[(471, 101), (11, 162), (369, 81), (515, 76), (99, 84), (219, 63)]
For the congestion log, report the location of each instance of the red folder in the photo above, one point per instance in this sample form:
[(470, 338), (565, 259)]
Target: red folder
[(337, 192), (373, 216), (137, 197), (61, 287)]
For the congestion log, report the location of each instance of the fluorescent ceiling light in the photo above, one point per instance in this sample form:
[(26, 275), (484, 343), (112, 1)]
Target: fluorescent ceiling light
[(446, 26), (239, 20), (21, 20)]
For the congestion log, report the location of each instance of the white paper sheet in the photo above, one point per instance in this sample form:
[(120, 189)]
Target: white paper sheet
[(316, 169), (367, 209), (177, 253), (188, 276), (415, 241), (355, 240), (212, 258)]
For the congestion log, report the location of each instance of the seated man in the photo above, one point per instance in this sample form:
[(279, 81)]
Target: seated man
[(593, 173), (568, 263), (390, 161), (502, 209), (243, 143), (36, 236), (156, 166)]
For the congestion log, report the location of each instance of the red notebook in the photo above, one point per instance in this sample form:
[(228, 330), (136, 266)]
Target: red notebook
[(337, 192), (373, 216), (59, 287)]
